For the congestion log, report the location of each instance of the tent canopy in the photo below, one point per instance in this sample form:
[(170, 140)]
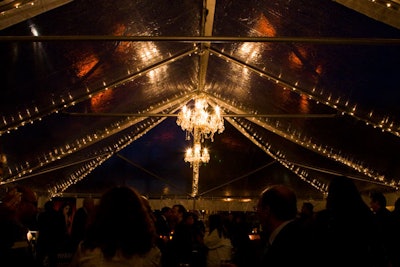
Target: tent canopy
[(91, 90)]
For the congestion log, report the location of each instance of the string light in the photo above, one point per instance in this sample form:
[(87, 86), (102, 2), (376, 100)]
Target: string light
[(319, 96), (85, 170), (307, 143), (18, 172), (13, 122), (28, 115), (279, 156)]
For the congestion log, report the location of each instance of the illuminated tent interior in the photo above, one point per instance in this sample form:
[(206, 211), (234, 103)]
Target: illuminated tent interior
[(90, 92)]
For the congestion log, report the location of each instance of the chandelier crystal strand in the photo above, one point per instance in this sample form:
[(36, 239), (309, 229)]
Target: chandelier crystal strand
[(196, 160), (201, 125)]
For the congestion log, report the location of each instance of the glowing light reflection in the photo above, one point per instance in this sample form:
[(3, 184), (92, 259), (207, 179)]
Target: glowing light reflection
[(99, 101)]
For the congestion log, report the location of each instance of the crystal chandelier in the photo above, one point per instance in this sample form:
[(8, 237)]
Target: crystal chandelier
[(197, 155), (199, 119), (200, 124)]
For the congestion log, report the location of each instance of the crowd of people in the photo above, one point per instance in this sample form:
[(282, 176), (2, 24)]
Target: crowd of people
[(122, 229)]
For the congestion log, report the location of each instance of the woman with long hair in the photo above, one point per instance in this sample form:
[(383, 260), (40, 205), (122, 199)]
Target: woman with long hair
[(218, 242), (121, 233)]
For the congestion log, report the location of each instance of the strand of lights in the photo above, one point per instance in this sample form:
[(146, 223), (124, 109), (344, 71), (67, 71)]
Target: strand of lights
[(30, 115), (308, 143), (324, 150), (340, 174), (388, 3), (79, 144), (68, 149), (75, 177), (280, 157), (384, 122), (85, 170), (86, 159), (293, 136)]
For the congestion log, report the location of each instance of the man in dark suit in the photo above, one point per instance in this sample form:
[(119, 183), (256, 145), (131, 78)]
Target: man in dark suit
[(163, 220), (285, 243)]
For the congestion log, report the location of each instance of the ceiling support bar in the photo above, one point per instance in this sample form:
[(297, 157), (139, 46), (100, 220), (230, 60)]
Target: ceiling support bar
[(207, 26), (50, 170), (204, 39), (238, 178), (340, 174), (316, 116)]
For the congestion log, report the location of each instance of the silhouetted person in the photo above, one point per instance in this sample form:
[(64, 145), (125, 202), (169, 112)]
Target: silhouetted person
[(179, 248), (50, 235), (122, 233), (306, 215), (345, 232), (79, 223), (163, 219), (163, 227), (183, 248), (385, 222), (243, 252), (396, 210), (396, 233), (64, 222), (285, 243), (196, 229)]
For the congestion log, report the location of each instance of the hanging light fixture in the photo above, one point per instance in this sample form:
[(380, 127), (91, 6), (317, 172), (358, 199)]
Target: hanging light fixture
[(197, 155), (199, 119), (201, 125)]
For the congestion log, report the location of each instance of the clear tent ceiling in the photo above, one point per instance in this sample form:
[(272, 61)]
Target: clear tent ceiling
[(91, 90)]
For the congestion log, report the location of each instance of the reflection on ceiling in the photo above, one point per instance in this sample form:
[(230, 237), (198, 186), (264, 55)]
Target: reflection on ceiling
[(307, 91)]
